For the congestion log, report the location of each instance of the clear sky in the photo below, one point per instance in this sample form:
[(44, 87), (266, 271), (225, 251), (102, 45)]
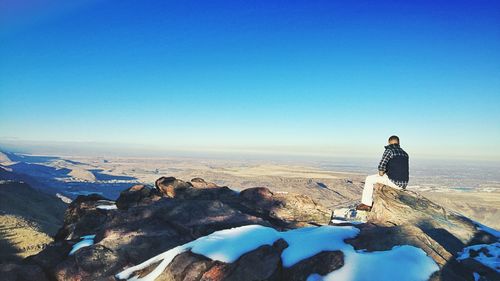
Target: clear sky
[(305, 77)]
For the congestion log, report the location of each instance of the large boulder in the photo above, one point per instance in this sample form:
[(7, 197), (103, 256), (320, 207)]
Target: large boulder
[(201, 183), (137, 195), (284, 209), (169, 186), (82, 217), (321, 263), (263, 263), (145, 224), (401, 217), (91, 263)]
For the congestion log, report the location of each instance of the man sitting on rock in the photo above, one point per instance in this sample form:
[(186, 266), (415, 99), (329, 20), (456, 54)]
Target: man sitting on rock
[(392, 171)]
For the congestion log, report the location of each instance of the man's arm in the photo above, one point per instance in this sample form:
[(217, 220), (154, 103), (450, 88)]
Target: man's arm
[(382, 166)]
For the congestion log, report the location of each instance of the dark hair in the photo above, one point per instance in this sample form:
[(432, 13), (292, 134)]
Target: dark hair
[(396, 138)]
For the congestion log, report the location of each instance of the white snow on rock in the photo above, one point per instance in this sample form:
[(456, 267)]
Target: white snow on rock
[(487, 254), (350, 214), (404, 263), (107, 207), (400, 263), (341, 221), (87, 240)]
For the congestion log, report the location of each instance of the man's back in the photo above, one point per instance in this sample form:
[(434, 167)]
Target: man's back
[(396, 164)]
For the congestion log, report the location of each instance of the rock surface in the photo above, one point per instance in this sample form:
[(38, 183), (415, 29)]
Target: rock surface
[(404, 217), (287, 209), (137, 195), (150, 221)]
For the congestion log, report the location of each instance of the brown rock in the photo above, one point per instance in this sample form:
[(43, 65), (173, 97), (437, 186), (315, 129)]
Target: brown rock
[(321, 263), (263, 263), (82, 218), (141, 232), (144, 227), (401, 217), (89, 263), (169, 185), (201, 183), (286, 209), (137, 195)]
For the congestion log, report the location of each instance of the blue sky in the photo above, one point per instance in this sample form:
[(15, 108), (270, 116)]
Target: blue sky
[(289, 77)]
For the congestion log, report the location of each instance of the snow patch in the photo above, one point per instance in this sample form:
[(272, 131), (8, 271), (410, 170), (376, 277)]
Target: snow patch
[(487, 254), (87, 240), (340, 221), (107, 207), (402, 263), (229, 244)]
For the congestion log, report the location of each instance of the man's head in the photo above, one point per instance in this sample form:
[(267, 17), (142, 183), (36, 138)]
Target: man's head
[(394, 140)]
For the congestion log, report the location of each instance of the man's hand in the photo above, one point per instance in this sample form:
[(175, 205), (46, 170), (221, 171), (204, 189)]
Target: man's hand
[(381, 173)]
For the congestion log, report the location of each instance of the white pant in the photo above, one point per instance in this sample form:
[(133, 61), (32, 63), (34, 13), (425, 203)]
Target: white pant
[(370, 182)]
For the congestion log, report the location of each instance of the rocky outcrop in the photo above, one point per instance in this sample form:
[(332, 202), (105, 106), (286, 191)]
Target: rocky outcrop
[(150, 221), (401, 217), (137, 195), (285, 208), (201, 183), (169, 186), (322, 264), (82, 217), (263, 263)]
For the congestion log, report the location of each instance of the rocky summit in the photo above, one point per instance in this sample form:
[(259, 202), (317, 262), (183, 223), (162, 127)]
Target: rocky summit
[(105, 237)]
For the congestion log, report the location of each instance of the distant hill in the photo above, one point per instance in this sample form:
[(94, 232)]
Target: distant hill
[(82, 174)]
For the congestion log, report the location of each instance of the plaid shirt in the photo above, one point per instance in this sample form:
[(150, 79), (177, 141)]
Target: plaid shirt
[(391, 151)]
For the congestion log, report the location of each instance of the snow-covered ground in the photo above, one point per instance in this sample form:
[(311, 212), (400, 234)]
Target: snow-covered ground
[(400, 263), (487, 254), (107, 207)]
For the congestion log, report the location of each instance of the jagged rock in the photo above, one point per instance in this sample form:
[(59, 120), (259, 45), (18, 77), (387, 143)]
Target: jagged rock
[(137, 195), (201, 183), (151, 221), (91, 263), (140, 232), (286, 208), (168, 186), (187, 266), (401, 217), (399, 207), (321, 263), (263, 263), (82, 218)]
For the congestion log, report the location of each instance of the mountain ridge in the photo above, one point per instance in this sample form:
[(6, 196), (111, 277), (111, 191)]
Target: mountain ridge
[(147, 221)]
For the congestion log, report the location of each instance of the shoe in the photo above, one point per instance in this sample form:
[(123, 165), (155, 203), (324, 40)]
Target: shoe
[(363, 207)]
